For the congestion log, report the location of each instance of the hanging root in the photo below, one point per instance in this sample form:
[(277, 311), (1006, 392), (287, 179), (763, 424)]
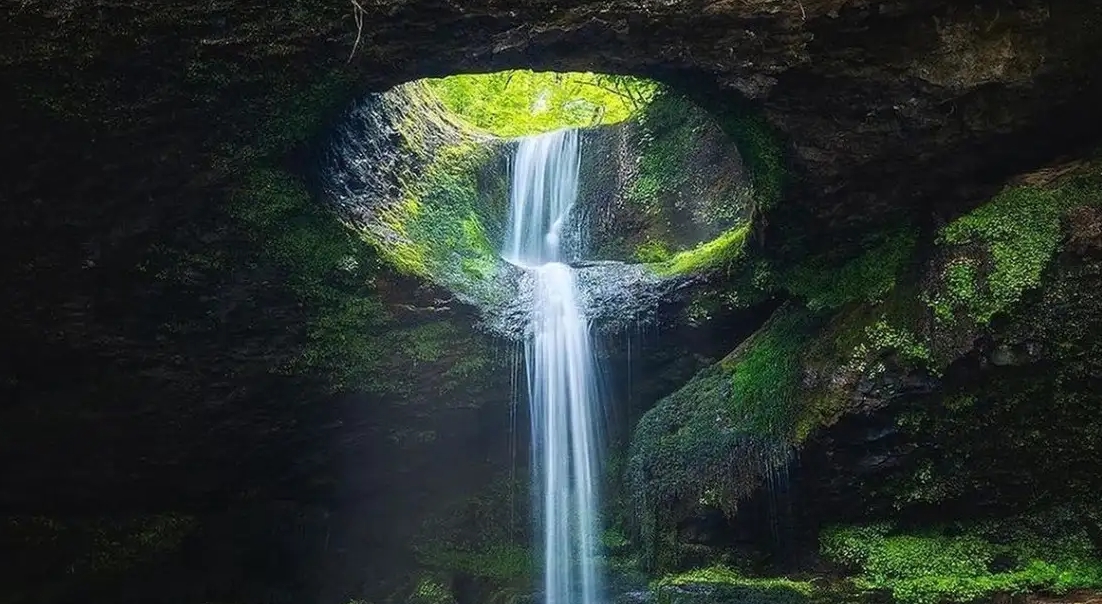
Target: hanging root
[(358, 15)]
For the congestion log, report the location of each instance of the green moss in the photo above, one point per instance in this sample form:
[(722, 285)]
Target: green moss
[(427, 342), (325, 265), (670, 128), (722, 575), (866, 277), (720, 434), (430, 590), (721, 584), (939, 565), (443, 229), (473, 535), (721, 252), (765, 377), (688, 184), (501, 561), (884, 336), (761, 152), (859, 342), (653, 251), (300, 111), (1003, 247)]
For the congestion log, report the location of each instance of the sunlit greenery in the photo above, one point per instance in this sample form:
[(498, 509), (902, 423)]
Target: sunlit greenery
[(717, 253), (443, 233), (522, 102)]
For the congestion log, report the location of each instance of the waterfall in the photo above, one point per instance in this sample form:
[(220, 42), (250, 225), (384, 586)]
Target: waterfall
[(561, 368)]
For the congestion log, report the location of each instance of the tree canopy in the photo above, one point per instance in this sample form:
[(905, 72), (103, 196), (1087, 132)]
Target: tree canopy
[(522, 102)]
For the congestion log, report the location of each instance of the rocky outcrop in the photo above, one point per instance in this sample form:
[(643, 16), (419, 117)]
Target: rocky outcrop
[(889, 397)]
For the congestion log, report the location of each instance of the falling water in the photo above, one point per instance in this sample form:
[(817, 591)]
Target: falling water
[(561, 368)]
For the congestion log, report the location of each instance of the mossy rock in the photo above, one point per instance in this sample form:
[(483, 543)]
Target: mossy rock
[(667, 182), (968, 562), (721, 584)]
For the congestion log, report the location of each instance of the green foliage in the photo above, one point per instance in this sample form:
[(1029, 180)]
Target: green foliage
[(867, 277), (721, 252), (962, 565), (521, 102)]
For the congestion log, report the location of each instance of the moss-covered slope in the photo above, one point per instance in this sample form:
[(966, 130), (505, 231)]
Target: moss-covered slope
[(897, 330)]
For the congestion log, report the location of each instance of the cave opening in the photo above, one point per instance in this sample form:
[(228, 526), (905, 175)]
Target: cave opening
[(230, 376), (439, 177)]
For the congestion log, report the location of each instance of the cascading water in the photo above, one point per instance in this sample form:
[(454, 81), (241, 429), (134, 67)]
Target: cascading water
[(561, 367)]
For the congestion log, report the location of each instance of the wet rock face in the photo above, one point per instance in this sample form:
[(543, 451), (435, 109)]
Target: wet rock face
[(668, 179)]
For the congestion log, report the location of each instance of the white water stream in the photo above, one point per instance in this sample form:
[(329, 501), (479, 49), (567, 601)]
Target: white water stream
[(561, 368)]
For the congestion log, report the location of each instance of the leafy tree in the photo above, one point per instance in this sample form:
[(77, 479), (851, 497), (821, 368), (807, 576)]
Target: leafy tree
[(521, 102)]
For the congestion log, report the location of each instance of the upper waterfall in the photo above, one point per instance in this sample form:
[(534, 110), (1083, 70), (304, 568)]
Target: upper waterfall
[(544, 185)]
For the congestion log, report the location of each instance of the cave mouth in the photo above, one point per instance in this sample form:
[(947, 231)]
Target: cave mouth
[(422, 172)]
